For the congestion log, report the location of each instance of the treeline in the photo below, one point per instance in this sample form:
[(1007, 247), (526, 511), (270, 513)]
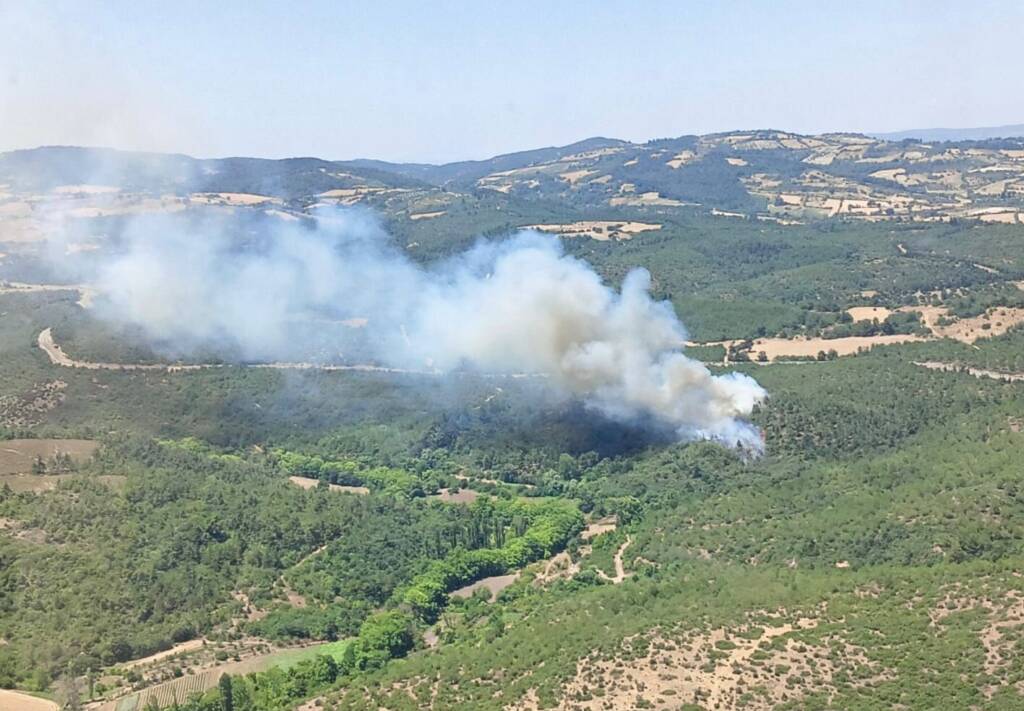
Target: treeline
[(550, 525), (388, 480), (897, 322), (385, 636), (392, 633)]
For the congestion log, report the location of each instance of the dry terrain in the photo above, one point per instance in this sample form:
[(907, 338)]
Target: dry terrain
[(462, 496), (601, 230), (180, 648), (306, 482), (714, 669), (18, 455), (17, 701), (868, 313), (495, 584)]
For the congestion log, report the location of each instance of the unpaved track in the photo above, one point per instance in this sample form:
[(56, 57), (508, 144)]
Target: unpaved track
[(180, 648), (620, 569), (57, 356), (976, 372)]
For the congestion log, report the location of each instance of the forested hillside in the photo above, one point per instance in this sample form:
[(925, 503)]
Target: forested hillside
[(198, 529)]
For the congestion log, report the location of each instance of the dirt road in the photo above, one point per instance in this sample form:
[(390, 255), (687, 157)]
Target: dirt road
[(976, 372), (620, 569)]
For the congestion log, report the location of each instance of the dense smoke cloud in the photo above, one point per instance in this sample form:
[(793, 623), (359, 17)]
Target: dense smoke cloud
[(518, 306)]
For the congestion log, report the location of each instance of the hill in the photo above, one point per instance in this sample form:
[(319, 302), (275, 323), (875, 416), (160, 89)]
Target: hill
[(199, 529), (955, 134), (771, 176)]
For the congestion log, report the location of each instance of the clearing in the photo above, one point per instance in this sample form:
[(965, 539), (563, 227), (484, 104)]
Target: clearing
[(495, 584), (180, 648), (232, 199), (307, 483), (17, 455), (204, 673), (775, 348), (462, 496), (868, 313), (596, 528), (994, 322), (600, 230), (48, 482)]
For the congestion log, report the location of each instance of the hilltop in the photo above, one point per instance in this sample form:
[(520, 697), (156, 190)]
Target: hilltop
[(768, 175)]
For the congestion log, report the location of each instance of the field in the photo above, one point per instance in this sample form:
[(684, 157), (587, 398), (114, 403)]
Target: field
[(14, 701), (206, 677), (18, 455), (305, 482)]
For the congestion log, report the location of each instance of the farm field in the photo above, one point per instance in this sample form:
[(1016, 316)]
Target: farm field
[(18, 455), (15, 701)]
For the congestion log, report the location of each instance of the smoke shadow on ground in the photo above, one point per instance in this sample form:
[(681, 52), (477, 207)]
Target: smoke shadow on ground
[(525, 423)]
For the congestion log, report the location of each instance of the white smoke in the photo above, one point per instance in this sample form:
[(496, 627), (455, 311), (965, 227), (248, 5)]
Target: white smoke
[(516, 306)]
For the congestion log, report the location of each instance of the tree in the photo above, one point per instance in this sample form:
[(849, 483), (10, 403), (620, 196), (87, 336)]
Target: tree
[(68, 695), (227, 699)]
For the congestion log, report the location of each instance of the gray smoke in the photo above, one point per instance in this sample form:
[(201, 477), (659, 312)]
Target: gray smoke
[(517, 306)]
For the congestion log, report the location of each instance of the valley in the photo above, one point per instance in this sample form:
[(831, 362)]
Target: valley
[(332, 530)]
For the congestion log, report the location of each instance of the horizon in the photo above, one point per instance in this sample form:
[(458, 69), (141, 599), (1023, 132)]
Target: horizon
[(448, 83), (868, 134)]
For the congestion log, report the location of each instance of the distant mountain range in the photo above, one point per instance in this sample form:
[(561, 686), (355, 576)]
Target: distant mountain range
[(954, 134), (767, 175)]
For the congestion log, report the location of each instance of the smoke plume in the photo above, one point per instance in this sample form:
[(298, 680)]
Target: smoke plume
[(517, 306)]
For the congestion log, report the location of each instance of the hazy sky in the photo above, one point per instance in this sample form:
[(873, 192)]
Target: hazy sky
[(438, 81)]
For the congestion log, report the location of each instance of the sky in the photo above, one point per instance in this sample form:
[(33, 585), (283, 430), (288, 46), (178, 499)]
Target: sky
[(442, 81)]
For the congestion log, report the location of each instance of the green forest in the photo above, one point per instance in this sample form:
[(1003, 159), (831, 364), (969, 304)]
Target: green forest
[(350, 523)]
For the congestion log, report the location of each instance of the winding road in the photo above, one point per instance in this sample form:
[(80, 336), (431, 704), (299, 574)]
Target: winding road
[(57, 356)]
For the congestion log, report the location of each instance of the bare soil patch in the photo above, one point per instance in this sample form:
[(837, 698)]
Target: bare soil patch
[(307, 483), (596, 528), (714, 669), (868, 313), (648, 199), (994, 322), (462, 496), (181, 648), (232, 198), (17, 701), (600, 230), (85, 189), (17, 455), (559, 567), (32, 482), (775, 348), (495, 584)]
